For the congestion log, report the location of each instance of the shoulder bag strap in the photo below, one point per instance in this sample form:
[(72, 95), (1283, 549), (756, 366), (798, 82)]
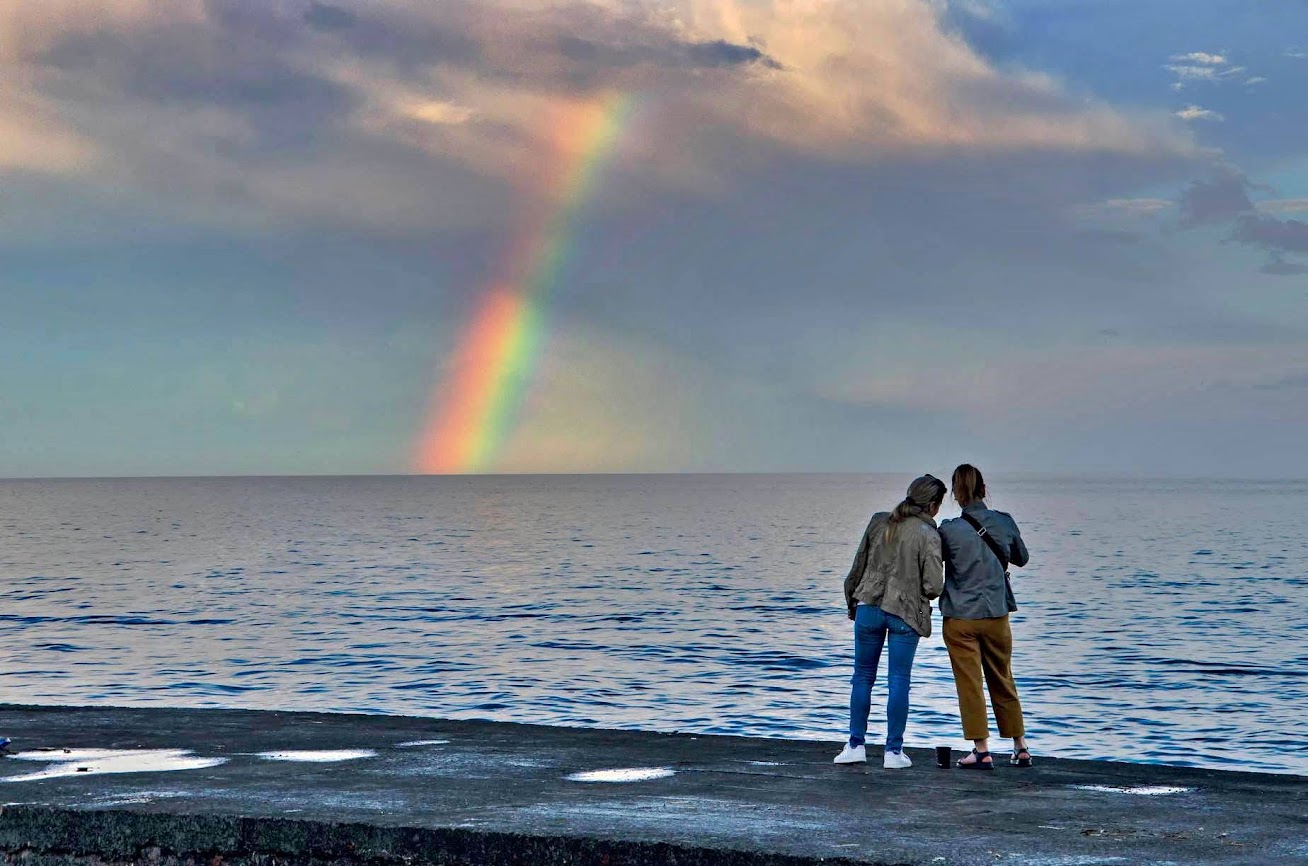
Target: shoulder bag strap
[(990, 542)]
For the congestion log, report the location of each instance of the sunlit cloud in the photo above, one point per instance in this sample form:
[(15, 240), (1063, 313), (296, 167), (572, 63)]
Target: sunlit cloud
[(33, 139), (1201, 58), (1194, 112), (1202, 67), (932, 90), (1203, 73), (406, 113)]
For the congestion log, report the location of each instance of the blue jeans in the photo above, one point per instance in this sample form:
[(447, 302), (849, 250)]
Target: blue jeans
[(872, 626)]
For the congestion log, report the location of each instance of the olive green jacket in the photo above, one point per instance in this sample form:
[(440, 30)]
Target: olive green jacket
[(900, 576)]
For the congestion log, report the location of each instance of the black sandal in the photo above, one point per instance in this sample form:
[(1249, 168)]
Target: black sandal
[(983, 762), (1018, 761)]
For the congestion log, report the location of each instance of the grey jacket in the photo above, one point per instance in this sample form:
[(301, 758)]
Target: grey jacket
[(975, 587), (900, 577)]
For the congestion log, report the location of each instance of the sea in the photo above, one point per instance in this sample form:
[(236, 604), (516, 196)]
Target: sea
[(1160, 621)]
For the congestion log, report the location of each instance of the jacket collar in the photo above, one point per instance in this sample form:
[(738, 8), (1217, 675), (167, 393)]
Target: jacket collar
[(929, 521), (979, 505)]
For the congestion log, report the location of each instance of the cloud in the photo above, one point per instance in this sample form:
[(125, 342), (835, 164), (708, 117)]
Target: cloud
[(1284, 205), (33, 140), (1186, 72), (1201, 67), (1021, 386), (593, 56), (1224, 199), (1257, 79), (1201, 58), (1296, 53), (1122, 220), (1274, 235), (719, 52), (1279, 267), (1221, 198), (323, 16), (1126, 208), (1191, 72), (933, 91), (400, 113), (1194, 112)]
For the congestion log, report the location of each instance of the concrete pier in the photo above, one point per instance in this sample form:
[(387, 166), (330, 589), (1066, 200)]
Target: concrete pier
[(265, 787)]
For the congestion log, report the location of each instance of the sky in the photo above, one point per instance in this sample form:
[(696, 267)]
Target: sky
[(267, 236)]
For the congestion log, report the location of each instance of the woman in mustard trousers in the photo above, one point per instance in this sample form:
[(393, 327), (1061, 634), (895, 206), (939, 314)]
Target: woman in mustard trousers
[(978, 549)]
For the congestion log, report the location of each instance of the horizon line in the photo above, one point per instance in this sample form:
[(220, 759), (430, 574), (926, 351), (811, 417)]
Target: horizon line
[(1069, 474)]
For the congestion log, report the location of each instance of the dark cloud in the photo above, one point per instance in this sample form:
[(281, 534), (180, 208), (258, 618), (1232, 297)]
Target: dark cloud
[(722, 53), (322, 16), (1219, 199), (583, 48), (1290, 236), (231, 66), (411, 43), (1279, 267), (950, 244), (1224, 199), (596, 57)]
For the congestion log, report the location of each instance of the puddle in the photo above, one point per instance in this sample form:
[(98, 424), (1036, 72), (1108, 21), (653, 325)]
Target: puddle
[(1138, 790), (49, 755), (633, 774), (94, 762), (319, 757), (412, 743)]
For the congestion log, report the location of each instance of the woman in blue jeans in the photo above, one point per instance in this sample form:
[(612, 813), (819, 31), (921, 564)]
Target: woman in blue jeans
[(888, 593)]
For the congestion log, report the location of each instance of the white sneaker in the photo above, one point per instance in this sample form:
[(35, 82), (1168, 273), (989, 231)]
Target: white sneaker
[(896, 761), (852, 755)]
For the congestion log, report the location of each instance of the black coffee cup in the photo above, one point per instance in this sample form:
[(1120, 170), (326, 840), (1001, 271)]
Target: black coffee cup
[(944, 757)]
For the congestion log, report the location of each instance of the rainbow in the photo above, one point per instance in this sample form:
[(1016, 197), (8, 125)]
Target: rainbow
[(474, 408)]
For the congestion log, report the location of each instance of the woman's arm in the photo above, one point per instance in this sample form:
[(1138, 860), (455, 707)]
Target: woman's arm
[(1017, 553), (856, 571), (931, 561)]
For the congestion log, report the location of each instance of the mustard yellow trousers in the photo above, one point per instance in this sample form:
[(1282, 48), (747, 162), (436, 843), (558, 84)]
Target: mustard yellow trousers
[(984, 648)]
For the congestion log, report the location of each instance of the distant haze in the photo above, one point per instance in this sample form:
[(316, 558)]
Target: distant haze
[(244, 237)]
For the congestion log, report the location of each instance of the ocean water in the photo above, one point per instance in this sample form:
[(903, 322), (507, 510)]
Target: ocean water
[(1160, 621)]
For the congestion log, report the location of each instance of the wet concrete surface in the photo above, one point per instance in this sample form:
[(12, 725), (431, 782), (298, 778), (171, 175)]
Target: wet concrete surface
[(323, 788)]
